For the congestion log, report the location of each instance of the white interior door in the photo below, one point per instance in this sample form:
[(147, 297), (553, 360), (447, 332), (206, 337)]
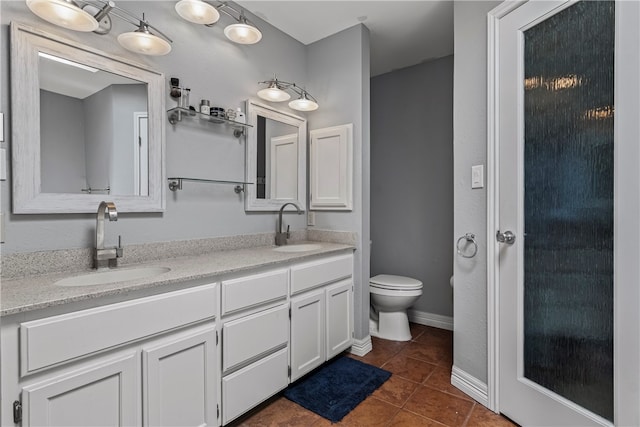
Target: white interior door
[(567, 213), (284, 167)]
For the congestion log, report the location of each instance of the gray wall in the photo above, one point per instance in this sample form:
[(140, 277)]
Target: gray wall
[(99, 138), (127, 99), (412, 179), (339, 78), (214, 68), (63, 156), (470, 206)]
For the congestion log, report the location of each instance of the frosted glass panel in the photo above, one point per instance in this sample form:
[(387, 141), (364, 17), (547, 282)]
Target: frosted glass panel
[(568, 202)]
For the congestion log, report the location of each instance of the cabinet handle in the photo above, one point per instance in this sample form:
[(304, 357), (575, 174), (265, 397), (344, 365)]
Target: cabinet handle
[(17, 411)]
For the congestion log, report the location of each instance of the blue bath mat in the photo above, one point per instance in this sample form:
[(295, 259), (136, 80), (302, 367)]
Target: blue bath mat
[(336, 388)]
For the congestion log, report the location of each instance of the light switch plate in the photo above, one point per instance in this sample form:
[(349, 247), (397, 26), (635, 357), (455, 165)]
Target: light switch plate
[(477, 176), (311, 218)]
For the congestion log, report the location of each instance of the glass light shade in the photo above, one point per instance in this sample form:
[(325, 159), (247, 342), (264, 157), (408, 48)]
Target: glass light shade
[(243, 33), (303, 104), (197, 11), (273, 94), (66, 14), (144, 43)]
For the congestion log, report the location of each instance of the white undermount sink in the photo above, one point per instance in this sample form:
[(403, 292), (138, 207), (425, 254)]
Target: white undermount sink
[(304, 247), (112, 276)]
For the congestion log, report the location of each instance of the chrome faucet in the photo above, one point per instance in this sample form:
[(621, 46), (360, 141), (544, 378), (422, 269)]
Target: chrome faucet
[(281, 238), (102, 255)]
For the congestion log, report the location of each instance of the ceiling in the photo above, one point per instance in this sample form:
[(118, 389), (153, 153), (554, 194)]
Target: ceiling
[(403, 33)]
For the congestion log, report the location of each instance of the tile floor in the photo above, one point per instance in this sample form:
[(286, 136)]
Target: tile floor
[(419, 392)]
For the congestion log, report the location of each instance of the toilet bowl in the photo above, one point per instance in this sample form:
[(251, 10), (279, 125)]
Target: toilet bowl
[(391, 296)]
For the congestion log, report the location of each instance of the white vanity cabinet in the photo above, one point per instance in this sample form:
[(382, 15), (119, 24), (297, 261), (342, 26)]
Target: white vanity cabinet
[(179, 380), (200, 356), (101, 393), (321, 312), (149, 361), (255, 338)]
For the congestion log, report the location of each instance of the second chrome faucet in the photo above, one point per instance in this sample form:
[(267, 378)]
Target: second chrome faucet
[(281, 237)]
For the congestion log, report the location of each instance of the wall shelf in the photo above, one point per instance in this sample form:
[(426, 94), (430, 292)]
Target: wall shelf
[(177, 115), (175, 183)]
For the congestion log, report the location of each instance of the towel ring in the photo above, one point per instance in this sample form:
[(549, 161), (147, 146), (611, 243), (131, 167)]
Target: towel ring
[(468, 237)]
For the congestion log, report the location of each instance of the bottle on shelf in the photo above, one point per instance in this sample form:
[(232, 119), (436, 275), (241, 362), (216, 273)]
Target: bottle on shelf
[(205, 106)]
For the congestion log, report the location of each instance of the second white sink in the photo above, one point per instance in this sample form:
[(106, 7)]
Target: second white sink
[(112, 276), (304, 247)]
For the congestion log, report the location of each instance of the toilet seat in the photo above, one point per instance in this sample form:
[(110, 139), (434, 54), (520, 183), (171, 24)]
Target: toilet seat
[(398, 283)]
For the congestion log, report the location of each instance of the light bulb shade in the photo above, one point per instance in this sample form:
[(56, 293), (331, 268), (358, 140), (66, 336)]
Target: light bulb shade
[(63, 13), (144, 42), (303, 104), (197, 11), (274, 94), (243, 33)]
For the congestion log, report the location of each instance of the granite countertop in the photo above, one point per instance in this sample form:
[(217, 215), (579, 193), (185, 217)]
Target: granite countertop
[(37, 292)]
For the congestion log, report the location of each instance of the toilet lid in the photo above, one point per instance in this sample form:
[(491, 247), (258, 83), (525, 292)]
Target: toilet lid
[(388, 281)]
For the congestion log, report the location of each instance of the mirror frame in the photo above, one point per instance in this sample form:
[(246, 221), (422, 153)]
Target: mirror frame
[(252, 203), (28, 198)]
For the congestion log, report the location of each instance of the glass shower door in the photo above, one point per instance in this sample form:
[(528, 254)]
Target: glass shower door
[(568, 204)]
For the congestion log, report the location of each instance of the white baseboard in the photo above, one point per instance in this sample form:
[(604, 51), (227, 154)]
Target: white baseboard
[(470, 385), (430, 319), (361, 347)]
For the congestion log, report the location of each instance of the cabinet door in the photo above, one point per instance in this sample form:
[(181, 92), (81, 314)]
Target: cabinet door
[(179, 380), (339, 323), (103, 393), (331, 166), (307, 333)]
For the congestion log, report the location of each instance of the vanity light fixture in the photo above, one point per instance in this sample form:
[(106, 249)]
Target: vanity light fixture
[(243, 32), (197, 11), (276, 92), (64, 13), (304, 103), (200, 12), (142, 41), (95, 15)]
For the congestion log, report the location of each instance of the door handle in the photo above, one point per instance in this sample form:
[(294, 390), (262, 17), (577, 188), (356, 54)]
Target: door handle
[(507, 237)]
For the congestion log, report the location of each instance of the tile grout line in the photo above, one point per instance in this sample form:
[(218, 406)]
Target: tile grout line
[(466, 421)]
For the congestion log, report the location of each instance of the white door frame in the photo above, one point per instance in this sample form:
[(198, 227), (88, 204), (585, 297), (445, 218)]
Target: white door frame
[(138, 172), (626, 211)]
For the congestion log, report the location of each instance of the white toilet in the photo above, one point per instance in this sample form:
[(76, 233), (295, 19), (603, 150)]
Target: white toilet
[(391, 296)]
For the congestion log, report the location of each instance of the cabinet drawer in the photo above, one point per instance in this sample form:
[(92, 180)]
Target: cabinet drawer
[(251, 337), (253, 384), (245, 292), (58, 339), (321, 272)]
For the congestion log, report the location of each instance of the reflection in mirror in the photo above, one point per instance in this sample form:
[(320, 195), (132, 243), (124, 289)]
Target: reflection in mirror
[(93, 130), (86, 125), (276, 158)]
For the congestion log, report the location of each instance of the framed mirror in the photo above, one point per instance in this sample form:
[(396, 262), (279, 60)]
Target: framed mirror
[(276, 158), (87, 126)]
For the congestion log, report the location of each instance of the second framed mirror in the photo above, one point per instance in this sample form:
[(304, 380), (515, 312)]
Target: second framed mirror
[(276, 158)]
